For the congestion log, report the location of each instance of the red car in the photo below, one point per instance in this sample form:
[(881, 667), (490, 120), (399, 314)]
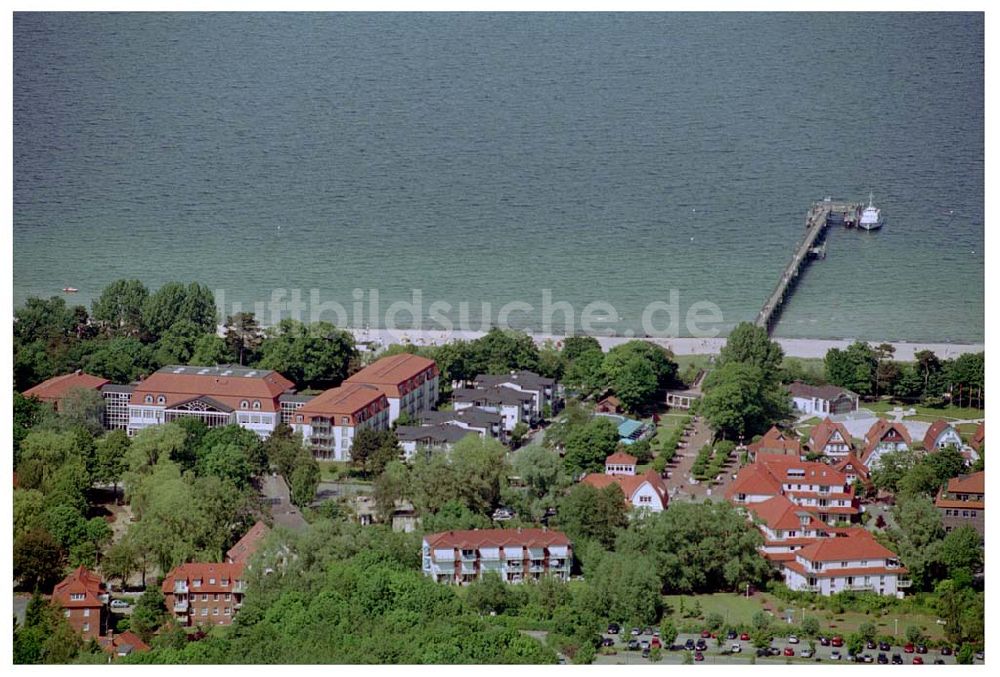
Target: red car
[(699, 656), (917, 660), (744, 637), (837, 641), (789, 651), (908, 648), (705, 634), (655, 643)]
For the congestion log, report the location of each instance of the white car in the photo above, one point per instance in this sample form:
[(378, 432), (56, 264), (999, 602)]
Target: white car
[(806, 653), (119, 604), (793, 640), (835, 656), (735, 648)]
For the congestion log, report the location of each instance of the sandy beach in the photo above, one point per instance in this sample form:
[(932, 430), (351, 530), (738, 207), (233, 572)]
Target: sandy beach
[(807, 348)]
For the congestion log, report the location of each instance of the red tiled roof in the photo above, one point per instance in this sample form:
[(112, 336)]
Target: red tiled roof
[(847, 571), (754, 480), (933, 432), (953, 503), (347, 400), (493, 538), (976, 442), (391, 373), (247, 546), (81, 581), (776, 442), (232, 571), (620, 458), (629, 483), (128, 638), (852, 463), (55, 388), (814, 472), (856, 544), (821, 433), (779, 513), (229, 390), (973, 483)]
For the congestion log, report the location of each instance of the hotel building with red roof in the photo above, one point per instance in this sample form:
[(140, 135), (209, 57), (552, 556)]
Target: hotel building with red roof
[(516, 555), (409, 382), (83, 599), (329, 421), (851, 560), (53, 390), (204, 593), (830, 438)]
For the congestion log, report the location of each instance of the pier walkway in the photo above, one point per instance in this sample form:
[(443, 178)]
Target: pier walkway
[(820, 217)]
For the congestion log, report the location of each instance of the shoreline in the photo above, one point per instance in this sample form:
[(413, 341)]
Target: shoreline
[(793, 347)]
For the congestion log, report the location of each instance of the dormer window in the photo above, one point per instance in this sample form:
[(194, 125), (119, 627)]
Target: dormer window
[(197, 583), (244, 404), (211, 581), (256, 404), (161, 399), (149, 399), (77, 596)]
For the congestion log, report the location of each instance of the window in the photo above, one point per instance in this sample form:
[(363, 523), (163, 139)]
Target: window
[(149, 399), (86, 627), (66, 613), (843, 564), (86, 613), (204, 611), (244, 404), (216, 598), (77, 596), (256, 404), (229, 611), (211, 581), (345, 420), (215, 611), (298, 418), (225, 582), (204, 597), (197, 583), (228, 596)]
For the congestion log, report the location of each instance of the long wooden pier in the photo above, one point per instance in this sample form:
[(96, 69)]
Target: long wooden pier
[(820, 217)]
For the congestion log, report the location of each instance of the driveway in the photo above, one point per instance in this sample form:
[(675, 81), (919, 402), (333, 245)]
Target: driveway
[(277, 495)]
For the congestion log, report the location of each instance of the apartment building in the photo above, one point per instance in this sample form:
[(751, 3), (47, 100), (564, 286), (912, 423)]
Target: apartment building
[(329, 421), (514, 406), (786, 527), (816, 487), (485, 423), (542, 389), (218, 396), (83, 599), (204, 593), (440, 437), (851, 560), (409, 382), (963, 502), (516, 555)]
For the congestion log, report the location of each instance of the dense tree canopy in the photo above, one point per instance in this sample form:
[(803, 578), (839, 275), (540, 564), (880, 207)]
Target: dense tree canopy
[(588, 445), (313, 356)]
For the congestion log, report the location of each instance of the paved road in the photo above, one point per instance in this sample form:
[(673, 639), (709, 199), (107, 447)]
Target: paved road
[(717, 654)]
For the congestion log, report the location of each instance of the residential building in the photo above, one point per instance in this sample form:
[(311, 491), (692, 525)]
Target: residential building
[(410, 383), (440, 436), (940, 435), (855, 471), (116, 401), (513, 405), (816, 487), (218, 396), (53, 390), (978, 438), (329, 421), (542, 389), (776, 441), (513, 554), (830, 439), (822, 400), (642, 492), (83, 599), (884, 436), (289, 403), (249, 544), (485, 423), (123, 644), (609, 405), (963, 502), (204, 593), (620, 463), (852, 560), (786, 527)]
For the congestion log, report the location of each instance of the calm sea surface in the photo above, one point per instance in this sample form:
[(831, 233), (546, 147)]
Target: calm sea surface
[(484, 158)]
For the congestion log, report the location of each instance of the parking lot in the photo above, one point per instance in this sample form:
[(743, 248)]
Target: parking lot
[(717, 653)]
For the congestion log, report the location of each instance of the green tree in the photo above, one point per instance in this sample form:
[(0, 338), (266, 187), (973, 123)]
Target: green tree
[(28, 412), (488, 594), (749, 344), (918, 539), (118, 310), (175, 302), (226, 461), (209, 350), (585, 373), (810, 626), (501, 351), (112, 450), (37, 559), (962, 550), (149, 613), (120, 562), (588, 445), (891, 469), (243, 337), (539, 468), (627, 587), (575, 346), (315, 355), (84, 408), (632, 378), (304, 480), (586, 513), (853, 368), (122, 359), (740, 401)]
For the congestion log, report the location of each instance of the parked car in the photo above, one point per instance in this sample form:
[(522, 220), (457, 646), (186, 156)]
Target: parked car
[(946, 651), (921, 648), (677, 647), (735, 648), (608, 641), (884, 646), (806, 653), (731, 634), (699, 656), (789, 651), (939, 661), (633, 645), (689, 645), (868, 658), (701, 645), (614, 629), (119, 604), (897, 659), (792, 639), (645, 652), (918, 660), (635, 632), (705, 634), (655, 643), (644, 644), (774, 651), (870, 644), (882, 659), (656, 633), (909, 648), (744, 637), (837, 641), (762, 652), (980, 655), (647, 631), (834, 655), (502, 514), (824, 640)]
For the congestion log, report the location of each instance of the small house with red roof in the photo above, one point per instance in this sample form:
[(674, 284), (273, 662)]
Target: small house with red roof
[(851, 561), (884, 436), (941, 435), (53, 390), (83, 598), (642, 492), (620, 463), (776, 441), (609, 405), (854, 470), (248, 545), (830, 438), (123, 644), (978, 437), (204, 593), (516, 555)]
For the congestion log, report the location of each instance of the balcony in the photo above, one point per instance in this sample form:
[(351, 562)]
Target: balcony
[(904, 583), (536, 568), (181, 606), (858, 586), (239, 587)]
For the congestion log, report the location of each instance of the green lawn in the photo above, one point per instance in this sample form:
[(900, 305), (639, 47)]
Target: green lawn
[(692, 363), (814, 367), (931, 413), (738, 609)]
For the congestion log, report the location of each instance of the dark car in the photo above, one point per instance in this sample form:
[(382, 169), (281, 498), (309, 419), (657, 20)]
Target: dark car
[(897, 659), (939, 661), (608, 641), (731, 634), (647, 631), (677, 647), (762, 652), (699, 656), (921, 648), (701, 645), (884, 646), (689, 645), (946, 651), (870, 644), (882, 659), (633, 645), (774, 651), (614, 629), (867, 658), (825, 641), (645, 652)]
